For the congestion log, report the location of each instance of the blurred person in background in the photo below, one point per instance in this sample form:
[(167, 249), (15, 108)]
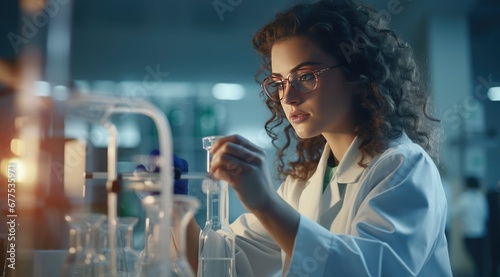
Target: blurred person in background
[(493, 197), (472, 207)]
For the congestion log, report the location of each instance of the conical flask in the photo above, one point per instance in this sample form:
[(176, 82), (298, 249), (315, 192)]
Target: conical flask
[(126, 255), (84, 257), (126, 243), (183, 209), (216, 252), (150, 263)]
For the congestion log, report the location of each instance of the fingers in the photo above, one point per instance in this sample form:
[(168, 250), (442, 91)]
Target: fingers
[(244, 166), (230, 155), (239, 140), (239, 152), (233, 156), (227, 169)]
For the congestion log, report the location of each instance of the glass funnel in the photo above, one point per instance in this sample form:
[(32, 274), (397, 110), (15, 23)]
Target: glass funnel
[(216, 250), (184, 208), (83, 257), (126, 255)]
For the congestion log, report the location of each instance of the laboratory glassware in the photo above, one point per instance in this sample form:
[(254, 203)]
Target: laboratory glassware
[(126, 256), (216, 251), (184, 208), (84, 257), (150, 263), (126, 235), (99, 110)]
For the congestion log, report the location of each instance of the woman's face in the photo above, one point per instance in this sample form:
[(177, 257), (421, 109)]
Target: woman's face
[(328, 109)]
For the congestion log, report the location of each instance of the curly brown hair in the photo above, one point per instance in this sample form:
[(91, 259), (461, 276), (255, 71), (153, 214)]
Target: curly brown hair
[(392, 98)]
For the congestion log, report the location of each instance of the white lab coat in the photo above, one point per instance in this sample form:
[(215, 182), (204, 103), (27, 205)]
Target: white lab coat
[(391, 222)]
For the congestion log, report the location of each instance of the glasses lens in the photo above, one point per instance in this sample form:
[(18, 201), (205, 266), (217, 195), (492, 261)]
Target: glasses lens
[(273, 87), (303, 80)]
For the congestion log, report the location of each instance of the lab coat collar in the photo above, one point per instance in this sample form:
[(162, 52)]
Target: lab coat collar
[(347, 172)]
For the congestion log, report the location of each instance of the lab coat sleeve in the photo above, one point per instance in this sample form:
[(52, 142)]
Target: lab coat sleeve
[(256, 252), (394, 231)]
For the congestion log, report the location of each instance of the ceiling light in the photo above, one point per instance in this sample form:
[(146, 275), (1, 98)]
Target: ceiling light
[(494, 93), (224, 91)]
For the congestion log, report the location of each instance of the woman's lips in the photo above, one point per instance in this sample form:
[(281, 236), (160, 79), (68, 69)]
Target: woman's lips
[(298, 118)]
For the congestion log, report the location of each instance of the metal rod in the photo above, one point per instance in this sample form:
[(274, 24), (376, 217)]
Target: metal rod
[(145, 176)]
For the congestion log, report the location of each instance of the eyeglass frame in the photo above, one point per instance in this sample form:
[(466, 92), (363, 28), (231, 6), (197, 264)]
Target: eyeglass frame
[(316, 72)]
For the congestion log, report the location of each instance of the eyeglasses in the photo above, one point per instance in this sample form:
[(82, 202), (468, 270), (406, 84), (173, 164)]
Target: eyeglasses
[(304, 80)]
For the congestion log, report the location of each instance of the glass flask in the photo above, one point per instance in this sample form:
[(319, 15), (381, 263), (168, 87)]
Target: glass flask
[(183, 209), (216, 250), (83, 257), (150, 263), (126, 255)]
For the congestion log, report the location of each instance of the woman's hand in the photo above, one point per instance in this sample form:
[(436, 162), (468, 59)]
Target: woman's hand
[(244, 166)]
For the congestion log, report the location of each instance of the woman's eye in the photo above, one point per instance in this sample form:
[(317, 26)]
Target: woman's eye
[(278, 85), (306, 77)]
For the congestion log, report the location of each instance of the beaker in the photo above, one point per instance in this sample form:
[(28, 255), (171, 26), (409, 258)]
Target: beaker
[(216, 250), (126, 255), (183, 210), (83, 257)]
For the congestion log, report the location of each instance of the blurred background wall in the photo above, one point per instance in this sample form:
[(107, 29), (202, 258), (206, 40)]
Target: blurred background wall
[(199, 65)]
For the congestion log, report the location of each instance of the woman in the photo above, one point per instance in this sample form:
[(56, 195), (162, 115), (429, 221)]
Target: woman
[(362, 196)]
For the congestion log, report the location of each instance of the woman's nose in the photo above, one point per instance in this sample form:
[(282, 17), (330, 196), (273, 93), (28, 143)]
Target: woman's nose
[(291, 95)]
